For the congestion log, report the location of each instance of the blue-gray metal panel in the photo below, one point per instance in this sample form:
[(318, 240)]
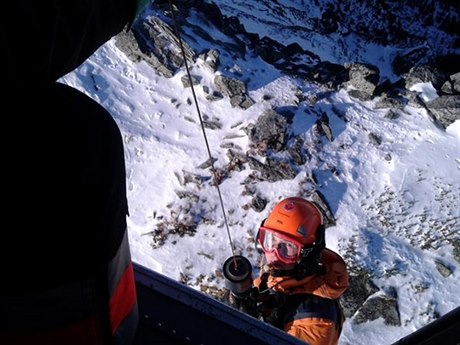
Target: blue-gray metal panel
[(172, 310), (445, 331)]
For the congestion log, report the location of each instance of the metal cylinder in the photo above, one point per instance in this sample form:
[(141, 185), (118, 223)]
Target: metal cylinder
[(238, 274)]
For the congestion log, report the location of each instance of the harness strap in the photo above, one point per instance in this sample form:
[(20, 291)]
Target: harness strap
[(303, 306)]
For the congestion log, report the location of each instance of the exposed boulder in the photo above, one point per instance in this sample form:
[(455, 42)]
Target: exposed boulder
[(269, 132), (235, 90), (425, 74), (361, 287), (363, 80), (270, 171), (157, 45), (381, 306), (445, 109)]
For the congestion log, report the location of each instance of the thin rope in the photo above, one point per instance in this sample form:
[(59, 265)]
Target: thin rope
[(203, 129)]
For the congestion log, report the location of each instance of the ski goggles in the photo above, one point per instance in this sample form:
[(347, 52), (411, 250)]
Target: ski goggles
[(285, 248)]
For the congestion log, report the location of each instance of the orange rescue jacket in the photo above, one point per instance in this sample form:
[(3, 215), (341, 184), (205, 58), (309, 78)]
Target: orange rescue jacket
[(317, 318)]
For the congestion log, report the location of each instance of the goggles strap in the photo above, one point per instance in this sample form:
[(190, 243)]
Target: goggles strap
[(257, 244), (317, 247)]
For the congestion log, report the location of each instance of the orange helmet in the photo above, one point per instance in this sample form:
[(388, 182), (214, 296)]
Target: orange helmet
[(297, 218)]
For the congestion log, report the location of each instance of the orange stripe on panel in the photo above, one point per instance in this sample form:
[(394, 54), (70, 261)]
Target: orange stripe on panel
[(123, 299)]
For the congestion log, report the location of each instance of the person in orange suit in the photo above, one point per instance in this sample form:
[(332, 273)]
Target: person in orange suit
[(300, 282)]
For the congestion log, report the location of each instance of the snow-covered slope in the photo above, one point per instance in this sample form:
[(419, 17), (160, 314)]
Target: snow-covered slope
[(392, 183)]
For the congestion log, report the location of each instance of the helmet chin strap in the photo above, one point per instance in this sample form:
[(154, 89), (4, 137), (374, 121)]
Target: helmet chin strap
[(302, 269), (310, 267)]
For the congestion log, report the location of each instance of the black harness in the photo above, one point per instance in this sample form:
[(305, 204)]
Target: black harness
[(301, 306)]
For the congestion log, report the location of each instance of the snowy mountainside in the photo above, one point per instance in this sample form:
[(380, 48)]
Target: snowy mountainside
[(392, 183), (372, 32)]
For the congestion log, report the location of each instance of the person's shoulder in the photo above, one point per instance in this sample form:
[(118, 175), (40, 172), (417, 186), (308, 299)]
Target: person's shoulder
[(328, 255), (336, 270), (333, 261)]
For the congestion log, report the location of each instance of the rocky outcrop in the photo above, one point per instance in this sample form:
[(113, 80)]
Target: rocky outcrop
[(154, 41)]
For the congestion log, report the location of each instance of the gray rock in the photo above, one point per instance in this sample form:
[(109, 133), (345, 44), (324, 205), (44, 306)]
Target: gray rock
[(360, 288), (235, 89), (269, 132), (443, 268), (385, 307), (445, 109), (363, 78)]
